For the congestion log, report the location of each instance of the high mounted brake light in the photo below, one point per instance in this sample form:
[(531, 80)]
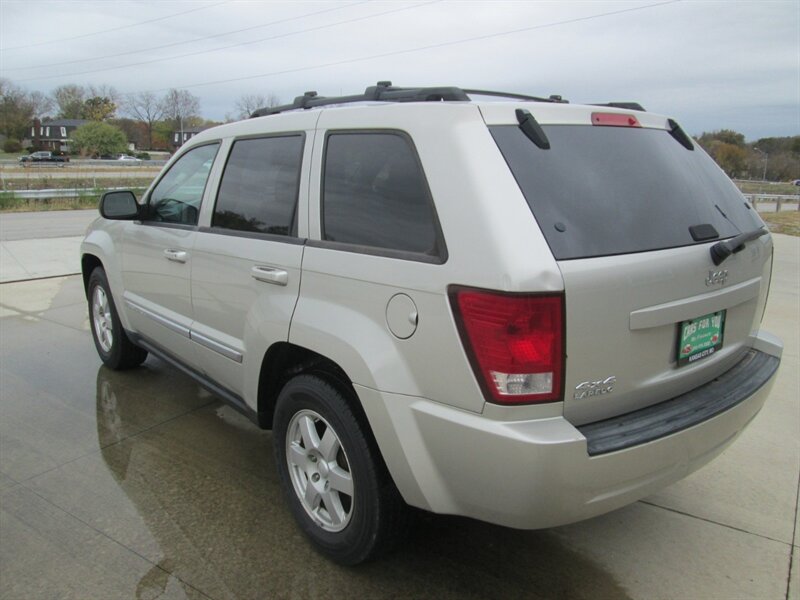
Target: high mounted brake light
[(515, 343), (615, 120)]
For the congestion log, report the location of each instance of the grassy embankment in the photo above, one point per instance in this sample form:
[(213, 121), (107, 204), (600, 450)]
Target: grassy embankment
[(787, 222), (767, 187), (88, 179)]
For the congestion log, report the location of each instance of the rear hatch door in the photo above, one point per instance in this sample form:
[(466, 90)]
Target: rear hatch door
[(630, 214)]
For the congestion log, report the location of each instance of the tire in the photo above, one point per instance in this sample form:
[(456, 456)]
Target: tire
[(113, 345), (353, 511)]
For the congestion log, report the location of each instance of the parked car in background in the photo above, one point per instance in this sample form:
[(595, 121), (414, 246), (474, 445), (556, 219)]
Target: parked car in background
[(128, 158), (44, 156), (526, 311)]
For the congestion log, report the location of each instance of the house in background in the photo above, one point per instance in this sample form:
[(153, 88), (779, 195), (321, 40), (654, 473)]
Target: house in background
[(179, 138), (54, 135)]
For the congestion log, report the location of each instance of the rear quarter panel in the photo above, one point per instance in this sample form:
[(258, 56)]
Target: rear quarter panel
[(492, 242)]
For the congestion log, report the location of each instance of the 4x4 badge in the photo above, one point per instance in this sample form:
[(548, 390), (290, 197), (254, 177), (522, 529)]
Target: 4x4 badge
[(717, 277), (595, 388)]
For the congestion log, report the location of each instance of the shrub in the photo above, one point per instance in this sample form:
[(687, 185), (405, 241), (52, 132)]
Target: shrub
[(11, 145), (98, 138)]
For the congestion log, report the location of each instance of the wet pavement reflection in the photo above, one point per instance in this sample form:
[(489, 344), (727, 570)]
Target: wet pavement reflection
[(142, 485)]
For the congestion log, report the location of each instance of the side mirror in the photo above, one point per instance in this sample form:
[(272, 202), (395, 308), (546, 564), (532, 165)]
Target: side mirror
[(119, 206)]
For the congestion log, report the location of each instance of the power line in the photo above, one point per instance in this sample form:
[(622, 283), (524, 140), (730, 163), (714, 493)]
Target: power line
[(423, 48), (85, 35), (207, 37), (198, 52)]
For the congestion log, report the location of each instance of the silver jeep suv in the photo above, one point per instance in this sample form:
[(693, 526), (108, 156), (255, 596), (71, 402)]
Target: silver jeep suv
[(523, 311)]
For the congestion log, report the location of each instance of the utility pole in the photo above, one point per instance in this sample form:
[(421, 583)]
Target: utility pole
[(766, 159)]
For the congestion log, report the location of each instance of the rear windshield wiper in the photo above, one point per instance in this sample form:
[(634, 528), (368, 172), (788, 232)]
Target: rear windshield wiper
[(722, 250)]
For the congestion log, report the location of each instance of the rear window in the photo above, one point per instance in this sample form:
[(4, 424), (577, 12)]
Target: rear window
[(600, 191)]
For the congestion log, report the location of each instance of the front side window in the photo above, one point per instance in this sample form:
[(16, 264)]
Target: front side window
[(260, 185), (375, 194), (63, 132), (177, 197)]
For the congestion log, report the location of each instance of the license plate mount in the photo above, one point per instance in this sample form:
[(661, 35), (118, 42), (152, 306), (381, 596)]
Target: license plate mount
[(700, 338)]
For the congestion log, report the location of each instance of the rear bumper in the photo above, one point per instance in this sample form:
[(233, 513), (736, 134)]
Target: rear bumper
[(682, 412), (539, 473)]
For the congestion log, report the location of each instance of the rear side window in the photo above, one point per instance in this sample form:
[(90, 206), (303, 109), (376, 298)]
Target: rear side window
[(600, 191), (375, 194), (259, 187)]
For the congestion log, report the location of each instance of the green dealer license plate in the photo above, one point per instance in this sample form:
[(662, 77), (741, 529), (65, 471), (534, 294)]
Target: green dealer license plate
[(700, 337)]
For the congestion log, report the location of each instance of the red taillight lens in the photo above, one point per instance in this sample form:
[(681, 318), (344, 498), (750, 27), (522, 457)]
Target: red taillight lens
[(515, 343), (615, 120)]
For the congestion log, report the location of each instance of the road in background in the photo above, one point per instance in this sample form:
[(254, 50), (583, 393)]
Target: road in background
[(78, 172)]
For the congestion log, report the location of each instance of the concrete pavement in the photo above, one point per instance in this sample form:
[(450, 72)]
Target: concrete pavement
[(34, 245), (141, 484), (45, 224)]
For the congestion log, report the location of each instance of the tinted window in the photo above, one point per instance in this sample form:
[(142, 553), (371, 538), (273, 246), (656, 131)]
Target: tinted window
[(177, 197), (615, 190), (259, 187), (375, 194)]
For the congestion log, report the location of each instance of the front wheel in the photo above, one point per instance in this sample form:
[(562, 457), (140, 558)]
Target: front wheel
[(332, 474), (113, 345)]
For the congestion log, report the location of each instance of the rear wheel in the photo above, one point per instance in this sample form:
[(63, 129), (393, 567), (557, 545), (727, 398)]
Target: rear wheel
[(113, 345), (336, 483)]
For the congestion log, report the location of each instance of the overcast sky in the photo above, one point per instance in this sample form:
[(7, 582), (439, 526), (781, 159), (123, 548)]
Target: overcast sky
[(710, 65)]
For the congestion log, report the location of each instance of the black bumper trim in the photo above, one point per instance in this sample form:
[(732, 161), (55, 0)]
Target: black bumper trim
[(684, 411)]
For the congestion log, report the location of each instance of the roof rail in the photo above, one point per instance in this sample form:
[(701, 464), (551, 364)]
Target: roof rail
[(553, 98), (384, 91)]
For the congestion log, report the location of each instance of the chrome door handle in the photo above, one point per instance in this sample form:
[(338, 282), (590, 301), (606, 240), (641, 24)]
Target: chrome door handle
[(175, 255), (270, 275)]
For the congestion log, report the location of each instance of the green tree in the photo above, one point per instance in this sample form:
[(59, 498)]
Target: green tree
[(16, 111), (99, 108), (98, 138), (731, 158), (726, 136)]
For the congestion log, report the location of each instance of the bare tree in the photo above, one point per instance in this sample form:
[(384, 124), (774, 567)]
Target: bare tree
[(145, 107), (180, 105), (41, 105), (104, 91), (248, 103)]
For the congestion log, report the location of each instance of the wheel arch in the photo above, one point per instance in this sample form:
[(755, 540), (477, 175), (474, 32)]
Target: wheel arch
[(89, 262), (283, 361)]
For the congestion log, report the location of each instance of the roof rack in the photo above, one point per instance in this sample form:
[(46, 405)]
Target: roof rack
[(384, 91)]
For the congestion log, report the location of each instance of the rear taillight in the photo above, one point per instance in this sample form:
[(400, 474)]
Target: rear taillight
[(515, 343), (615, 120)]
